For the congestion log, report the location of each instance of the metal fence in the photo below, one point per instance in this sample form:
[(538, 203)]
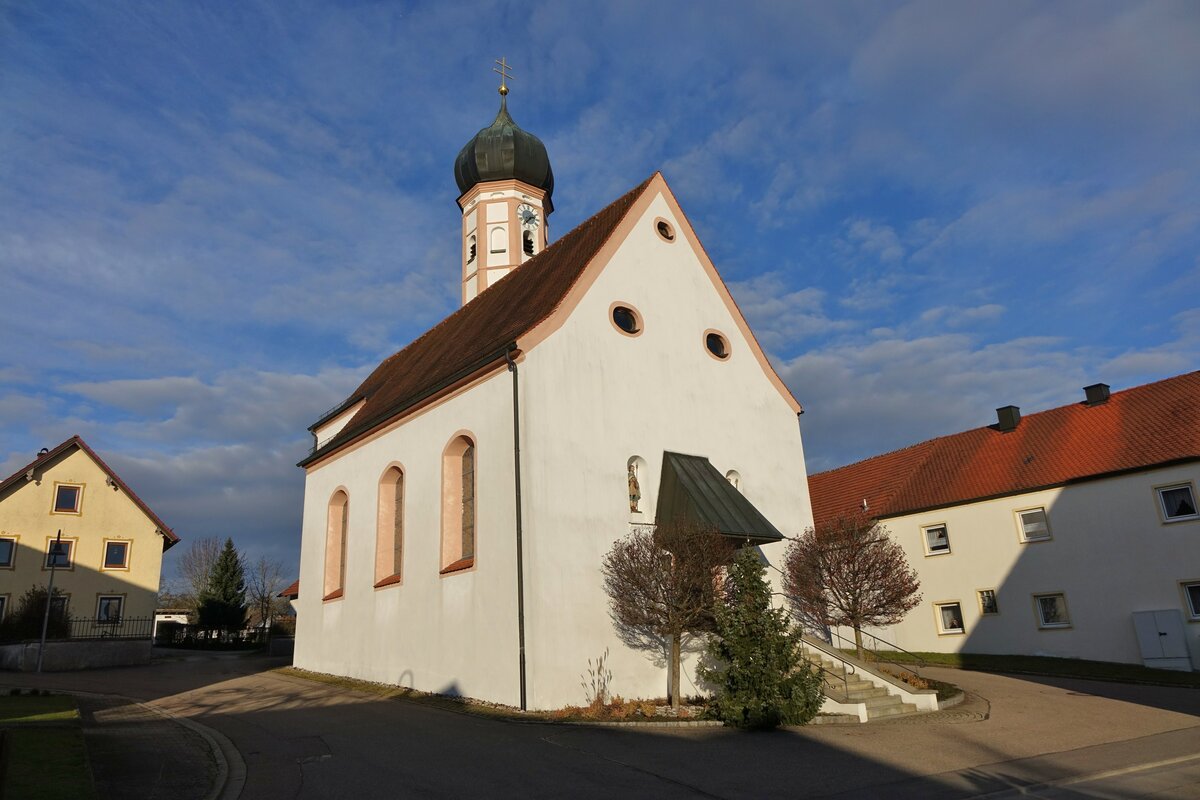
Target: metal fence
[(120, 628)]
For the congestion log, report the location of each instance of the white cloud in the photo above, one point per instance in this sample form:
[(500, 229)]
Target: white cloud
[(878, 240), (783, 318)]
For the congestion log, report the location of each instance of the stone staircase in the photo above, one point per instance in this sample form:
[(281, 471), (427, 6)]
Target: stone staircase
[(852, 687)]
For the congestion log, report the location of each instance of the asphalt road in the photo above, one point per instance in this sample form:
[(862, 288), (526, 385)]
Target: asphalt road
[(1014, 737)]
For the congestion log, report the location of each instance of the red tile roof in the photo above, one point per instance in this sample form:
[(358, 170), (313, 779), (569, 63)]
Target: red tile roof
[(75, 441), (1138, 428), (292, 591), (482, 331)]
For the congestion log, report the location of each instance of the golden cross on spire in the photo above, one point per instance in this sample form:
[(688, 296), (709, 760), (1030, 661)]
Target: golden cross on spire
[(504, 71)]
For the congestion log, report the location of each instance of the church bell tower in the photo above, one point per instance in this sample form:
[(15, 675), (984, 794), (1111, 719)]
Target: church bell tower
[(505, 184)]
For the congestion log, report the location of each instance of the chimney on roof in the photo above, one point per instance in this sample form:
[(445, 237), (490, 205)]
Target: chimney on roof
[(1007, 418), (1096, 394)]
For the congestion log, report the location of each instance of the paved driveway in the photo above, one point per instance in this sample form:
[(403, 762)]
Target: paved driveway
[(301, 739)]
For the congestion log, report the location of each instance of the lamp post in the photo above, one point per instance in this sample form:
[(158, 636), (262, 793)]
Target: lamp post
[(55, 552)]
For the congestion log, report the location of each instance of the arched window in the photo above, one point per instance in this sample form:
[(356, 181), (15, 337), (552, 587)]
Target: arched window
[(635, 470), (389, 532), (734, 478), (471, 249), (498, 240), (337, 522), (527, 239), (458, 505)]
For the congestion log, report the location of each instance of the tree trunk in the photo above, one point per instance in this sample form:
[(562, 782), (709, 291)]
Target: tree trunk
[(858, 641), (673, 687)]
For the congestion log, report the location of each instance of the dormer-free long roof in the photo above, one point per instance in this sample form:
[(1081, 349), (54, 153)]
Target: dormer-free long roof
[(1147, 426)]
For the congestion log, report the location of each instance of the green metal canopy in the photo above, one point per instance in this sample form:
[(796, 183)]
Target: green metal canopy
[(691, 489)]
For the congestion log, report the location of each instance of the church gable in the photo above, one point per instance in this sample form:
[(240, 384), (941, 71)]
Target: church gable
[(530, 304), (655, 253)]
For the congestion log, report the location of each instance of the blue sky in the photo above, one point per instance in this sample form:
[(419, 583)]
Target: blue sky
[(215, 218)]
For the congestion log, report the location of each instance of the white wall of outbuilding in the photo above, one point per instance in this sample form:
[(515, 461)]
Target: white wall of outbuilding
[(1110, 553)]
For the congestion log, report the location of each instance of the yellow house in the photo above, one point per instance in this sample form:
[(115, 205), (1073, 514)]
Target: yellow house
[(110, 558)]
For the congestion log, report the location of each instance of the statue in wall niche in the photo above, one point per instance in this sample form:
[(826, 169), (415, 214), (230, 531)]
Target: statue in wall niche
[(635, 489)]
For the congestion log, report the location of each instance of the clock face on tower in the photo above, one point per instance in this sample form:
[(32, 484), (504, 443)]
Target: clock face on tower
[(527, 215)]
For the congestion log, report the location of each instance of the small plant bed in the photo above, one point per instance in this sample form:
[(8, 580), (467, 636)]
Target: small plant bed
[(620, 710), (617, 710), (42, 753), (1054, 667), (944, 690)]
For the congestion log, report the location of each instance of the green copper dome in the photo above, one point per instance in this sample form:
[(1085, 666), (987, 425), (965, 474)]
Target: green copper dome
[(502, 151)]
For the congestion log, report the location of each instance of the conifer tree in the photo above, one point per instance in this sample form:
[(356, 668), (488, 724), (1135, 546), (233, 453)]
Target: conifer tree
[(762, 678), (223, 602)]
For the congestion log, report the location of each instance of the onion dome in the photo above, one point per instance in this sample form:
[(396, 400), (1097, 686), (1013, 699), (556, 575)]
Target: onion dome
[(503, 151)]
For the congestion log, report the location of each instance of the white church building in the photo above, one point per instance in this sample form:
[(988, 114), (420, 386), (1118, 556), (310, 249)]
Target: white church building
[(459, 503)]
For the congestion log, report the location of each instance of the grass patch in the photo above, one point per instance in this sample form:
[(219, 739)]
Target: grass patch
[(26, 708), (1053, 667), (46, 764), (42, 754)]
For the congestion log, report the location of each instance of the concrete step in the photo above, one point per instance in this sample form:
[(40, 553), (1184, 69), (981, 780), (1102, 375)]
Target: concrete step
[(890, 711), (880, 701), (843, 685)]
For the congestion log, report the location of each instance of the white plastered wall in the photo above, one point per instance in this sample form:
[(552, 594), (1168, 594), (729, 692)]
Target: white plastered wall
[(1110, 553), (593, 397), (454, 633)]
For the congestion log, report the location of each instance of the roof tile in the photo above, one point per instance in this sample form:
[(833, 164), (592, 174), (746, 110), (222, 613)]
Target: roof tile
[(1138, 428), (483, 329)]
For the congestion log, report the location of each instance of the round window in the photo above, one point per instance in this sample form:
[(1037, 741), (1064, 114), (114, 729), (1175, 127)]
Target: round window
[(717, 345), (626, 319), (665, 230)]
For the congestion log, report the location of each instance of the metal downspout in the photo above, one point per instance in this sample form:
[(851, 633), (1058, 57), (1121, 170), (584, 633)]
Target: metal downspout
[(512, 367)]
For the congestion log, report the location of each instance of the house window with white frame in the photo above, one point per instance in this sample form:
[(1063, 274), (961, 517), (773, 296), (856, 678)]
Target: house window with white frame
[(987, 602), (1178, 502), (1035, 527), (67, 497), (108, 609), (1192, 592), (116, 555), (937, 540), (949, 617), (1052, 610)]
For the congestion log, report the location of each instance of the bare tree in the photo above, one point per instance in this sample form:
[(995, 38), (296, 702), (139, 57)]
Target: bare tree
[(849, 572), (661, 588), (264, 582), (196, 567)]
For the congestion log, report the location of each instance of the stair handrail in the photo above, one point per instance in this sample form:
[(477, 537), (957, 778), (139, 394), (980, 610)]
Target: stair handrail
[(877, 655), (839, 658)]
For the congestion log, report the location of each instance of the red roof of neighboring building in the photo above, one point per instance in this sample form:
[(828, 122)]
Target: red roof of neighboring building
[(1135, 429), (75, 441), (480, 332), (292, 591)]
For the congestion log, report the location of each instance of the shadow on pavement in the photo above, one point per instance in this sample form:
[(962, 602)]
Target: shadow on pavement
[(303, 739), (1181, 699)]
